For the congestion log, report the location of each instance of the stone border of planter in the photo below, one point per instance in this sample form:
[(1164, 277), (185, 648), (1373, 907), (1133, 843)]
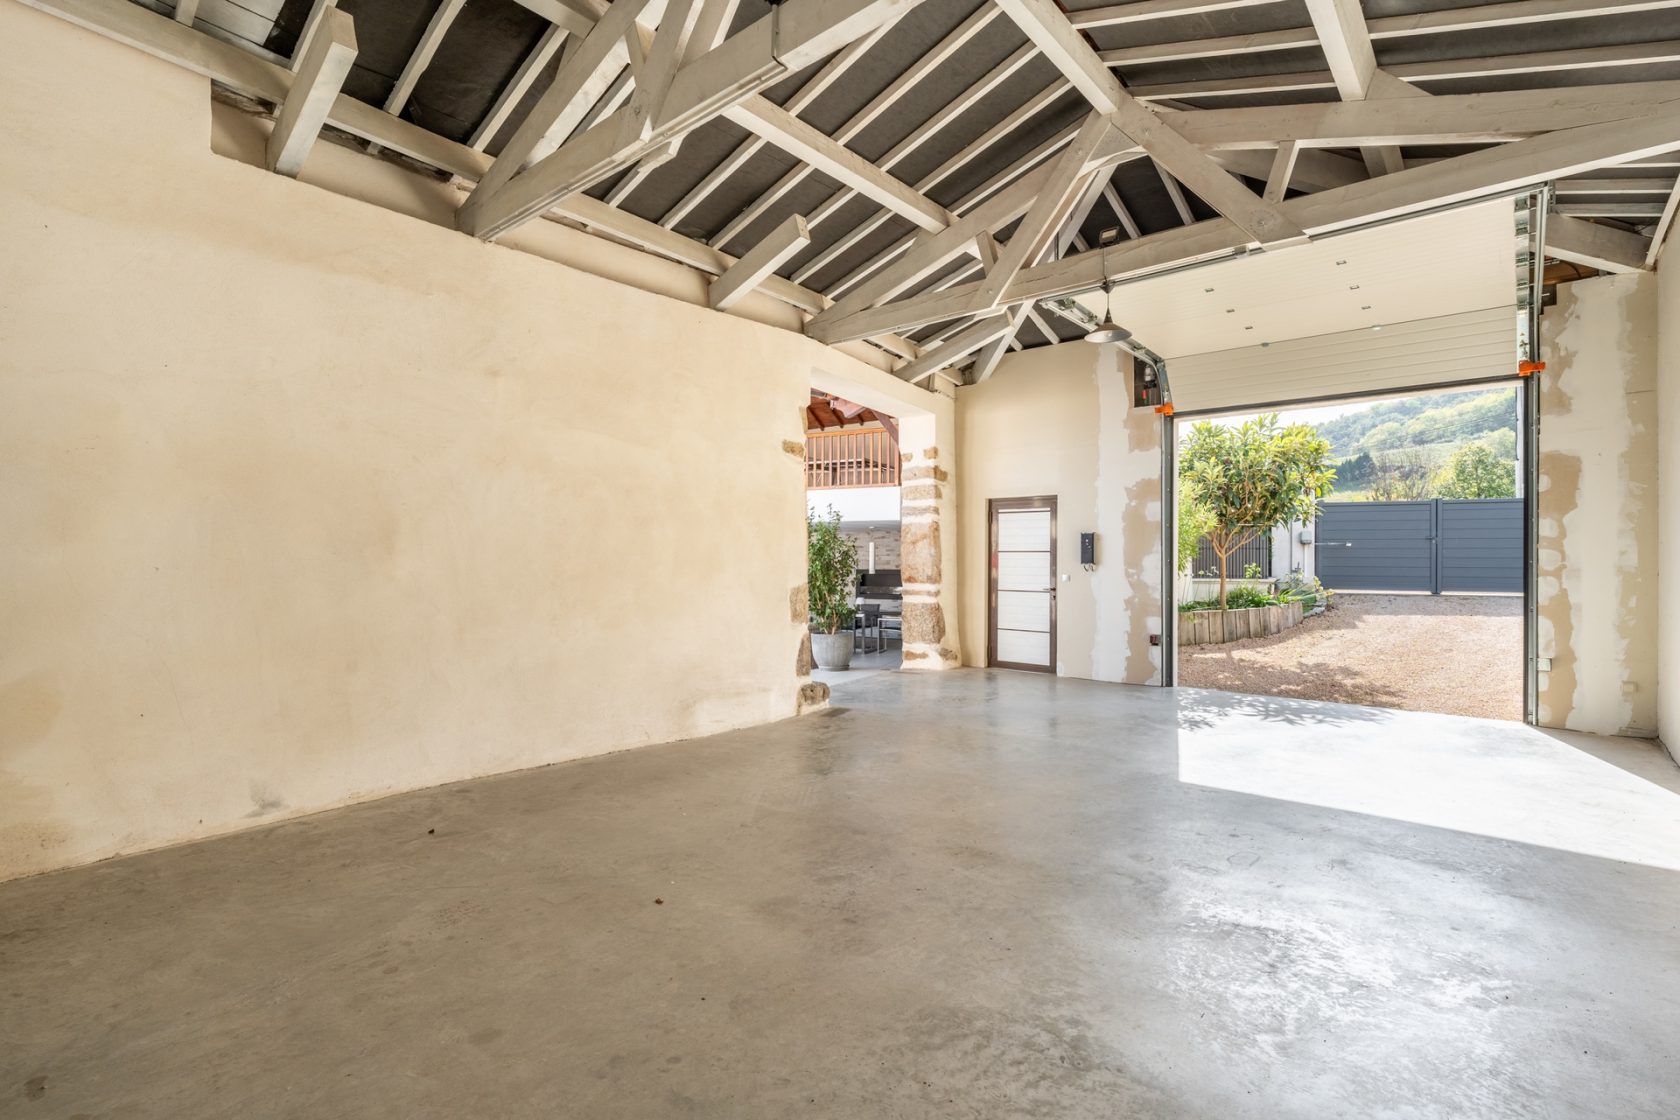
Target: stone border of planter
[(1210, 628)]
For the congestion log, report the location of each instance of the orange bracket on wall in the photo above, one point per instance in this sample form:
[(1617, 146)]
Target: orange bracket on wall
[(1528, 369), (1165, 409)]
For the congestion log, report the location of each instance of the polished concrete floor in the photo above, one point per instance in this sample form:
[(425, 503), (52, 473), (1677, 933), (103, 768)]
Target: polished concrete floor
[(962, 895)]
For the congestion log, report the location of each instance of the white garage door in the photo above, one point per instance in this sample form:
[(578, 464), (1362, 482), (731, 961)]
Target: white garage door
[(1426, 353)]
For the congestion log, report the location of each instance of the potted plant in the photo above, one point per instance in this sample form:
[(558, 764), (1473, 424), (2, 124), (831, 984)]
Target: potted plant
[(832, 563)]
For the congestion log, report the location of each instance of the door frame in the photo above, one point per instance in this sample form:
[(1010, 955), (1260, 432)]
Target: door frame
[(993, 507)]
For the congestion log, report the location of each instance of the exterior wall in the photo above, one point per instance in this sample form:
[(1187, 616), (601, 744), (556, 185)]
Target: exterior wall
[(1059, 421), (886, 542), (1668, 497), (307, 501), (1598, 505)]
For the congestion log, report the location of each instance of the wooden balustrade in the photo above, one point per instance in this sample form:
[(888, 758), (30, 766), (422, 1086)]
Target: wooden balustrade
[(841, 460)]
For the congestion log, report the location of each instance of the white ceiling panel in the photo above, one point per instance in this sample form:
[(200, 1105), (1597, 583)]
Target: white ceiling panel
[(1440, 264)]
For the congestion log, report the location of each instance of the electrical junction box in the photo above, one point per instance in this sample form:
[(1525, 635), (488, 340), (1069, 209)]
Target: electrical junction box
[(1305, 536), (1087, 550)]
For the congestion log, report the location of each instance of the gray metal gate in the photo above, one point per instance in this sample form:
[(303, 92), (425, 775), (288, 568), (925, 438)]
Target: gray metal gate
[(1438, 545)]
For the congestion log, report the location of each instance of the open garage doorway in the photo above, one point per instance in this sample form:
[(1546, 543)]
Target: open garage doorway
[(1405, 590)]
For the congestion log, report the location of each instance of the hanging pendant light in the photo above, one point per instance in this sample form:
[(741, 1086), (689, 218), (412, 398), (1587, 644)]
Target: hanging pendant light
[(1108, 330)]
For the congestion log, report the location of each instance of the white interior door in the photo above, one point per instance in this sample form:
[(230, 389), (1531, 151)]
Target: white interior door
[(1024, 583)]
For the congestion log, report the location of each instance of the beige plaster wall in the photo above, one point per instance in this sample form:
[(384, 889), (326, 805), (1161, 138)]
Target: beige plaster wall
[(1058, 421), (1668, 498), (304, 501), (1597, 599)]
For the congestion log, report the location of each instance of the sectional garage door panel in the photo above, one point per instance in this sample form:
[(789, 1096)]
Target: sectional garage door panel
[(1452, 349)]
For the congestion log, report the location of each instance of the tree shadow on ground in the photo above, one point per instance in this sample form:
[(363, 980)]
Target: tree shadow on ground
[(1201, 708)]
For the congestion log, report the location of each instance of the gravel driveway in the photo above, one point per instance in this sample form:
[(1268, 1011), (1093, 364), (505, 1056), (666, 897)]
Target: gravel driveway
[(1455, 654)]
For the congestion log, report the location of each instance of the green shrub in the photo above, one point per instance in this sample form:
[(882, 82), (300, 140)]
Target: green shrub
[(1238, 598), (1297, 587)]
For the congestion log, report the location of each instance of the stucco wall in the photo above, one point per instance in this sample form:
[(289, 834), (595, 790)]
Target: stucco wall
[(1598, 507), (1668, 498), (305, 501), (1058, 421)]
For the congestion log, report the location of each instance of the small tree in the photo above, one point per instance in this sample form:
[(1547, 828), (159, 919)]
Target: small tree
[(1195, 521), (1253, 478), (1477, 471), (831, 562)]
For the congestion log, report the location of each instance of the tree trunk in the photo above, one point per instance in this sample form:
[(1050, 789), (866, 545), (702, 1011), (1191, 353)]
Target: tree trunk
[(1224, 564)]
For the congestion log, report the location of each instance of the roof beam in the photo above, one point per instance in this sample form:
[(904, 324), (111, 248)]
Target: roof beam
[(514, 92), (960, 159), (924, 65), (1448, 182), (1049, 29), (793, 36), (1143, 11), (311, 25), (304, 110), (770, 121), (1523, 13), (1057, 39), (422, 56), (588, 65), (1018, 167), (1347, 48), (186, 11), (759, 263), (831, 72), (1665, 227), (1596, 246), (1468, 118), (1538, 62), (959, 346), (1340, 25), (1059, 192), (1283, 166)]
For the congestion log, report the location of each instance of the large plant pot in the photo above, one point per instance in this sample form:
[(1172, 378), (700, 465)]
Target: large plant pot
[(832, 651)]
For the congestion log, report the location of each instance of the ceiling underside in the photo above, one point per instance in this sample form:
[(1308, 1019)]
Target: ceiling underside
[(983, 106), (1376, 277)]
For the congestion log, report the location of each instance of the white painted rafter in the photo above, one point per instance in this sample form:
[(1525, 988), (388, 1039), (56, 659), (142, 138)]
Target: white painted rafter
[(304, 110), (926, 64), (517, 87), (422, 55), (1046, 25), (1596, 246), (759, 263)]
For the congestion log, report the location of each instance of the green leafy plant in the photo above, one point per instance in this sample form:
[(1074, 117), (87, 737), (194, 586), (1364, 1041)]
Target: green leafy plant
[(1251, 571), (831, 564), (1298, 587), (1236, 599), (1254, 477), (1477, 471), (1195, 521)]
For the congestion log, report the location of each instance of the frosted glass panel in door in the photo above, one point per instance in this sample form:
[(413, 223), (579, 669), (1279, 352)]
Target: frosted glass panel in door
[(1023, 531), (1023, 610), (1023, 647), (1023, 571)]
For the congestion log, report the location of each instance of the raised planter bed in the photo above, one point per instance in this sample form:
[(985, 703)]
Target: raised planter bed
[(1211, 628)]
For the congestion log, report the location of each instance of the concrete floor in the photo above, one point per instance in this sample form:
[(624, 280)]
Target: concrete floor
[(968, 894)]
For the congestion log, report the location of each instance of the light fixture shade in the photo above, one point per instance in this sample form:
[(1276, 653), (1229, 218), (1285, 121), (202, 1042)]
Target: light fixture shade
[(1108, 331)]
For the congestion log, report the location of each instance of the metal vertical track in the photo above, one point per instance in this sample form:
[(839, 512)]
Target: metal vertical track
[(1533, 222)]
